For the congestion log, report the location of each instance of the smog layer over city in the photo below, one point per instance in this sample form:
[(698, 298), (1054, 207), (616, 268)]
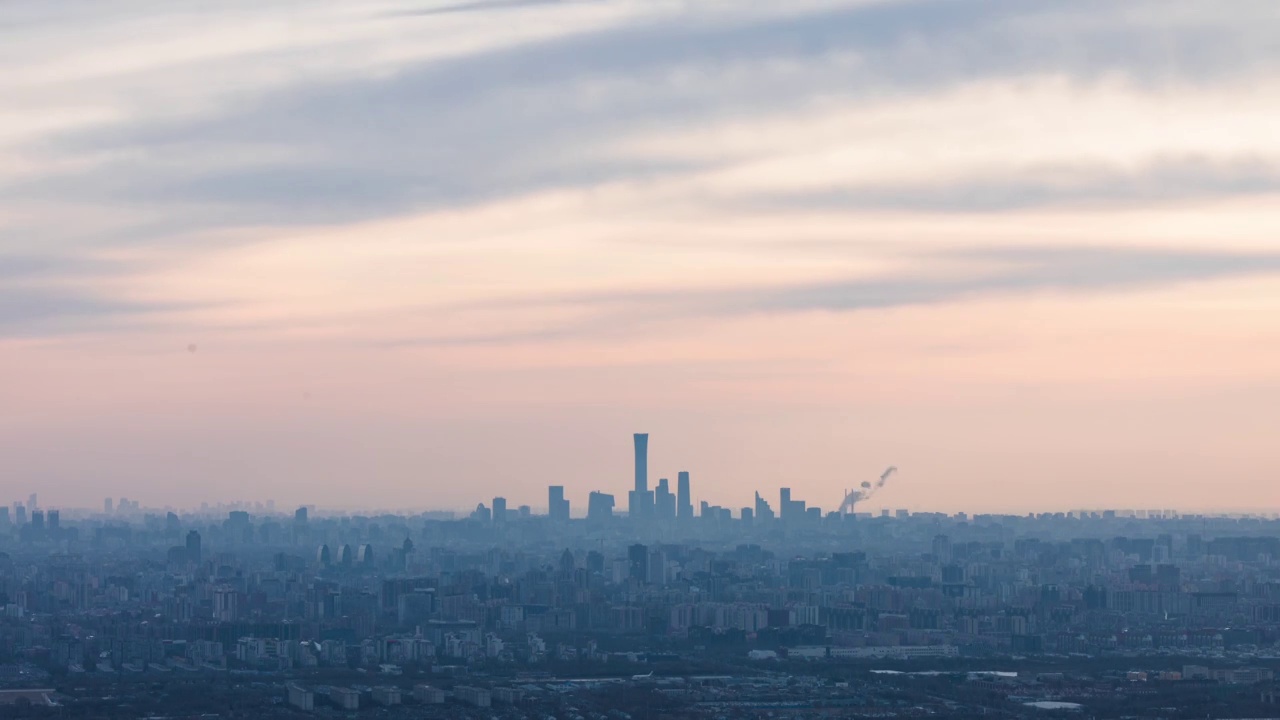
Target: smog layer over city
[(639, 359)]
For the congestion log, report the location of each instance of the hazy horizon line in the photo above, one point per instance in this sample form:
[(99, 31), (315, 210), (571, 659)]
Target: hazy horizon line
[(288, 509)]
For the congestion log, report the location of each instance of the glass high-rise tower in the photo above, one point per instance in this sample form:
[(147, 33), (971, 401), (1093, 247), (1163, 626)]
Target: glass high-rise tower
[(641, 500)]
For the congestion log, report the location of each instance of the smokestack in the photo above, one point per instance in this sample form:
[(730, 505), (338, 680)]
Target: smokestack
[(853, 497)]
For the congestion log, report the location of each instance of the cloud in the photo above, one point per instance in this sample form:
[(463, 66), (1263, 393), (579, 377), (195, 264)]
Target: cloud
[(1009, 272), (1018, 270), (317, 191), (481, 6), (652, 190), (544, 115), (1097, 185), (16, 267), (50, 295), (43, 312), (567, 332), (490, 124), (941, 278)]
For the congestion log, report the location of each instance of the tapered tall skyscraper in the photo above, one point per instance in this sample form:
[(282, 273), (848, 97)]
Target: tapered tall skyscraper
[(641, 500), (642, 462)]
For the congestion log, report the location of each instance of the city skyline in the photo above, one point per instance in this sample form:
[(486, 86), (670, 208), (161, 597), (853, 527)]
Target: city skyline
[(432, 617), (424, 253), (639, 359), (662, 505)]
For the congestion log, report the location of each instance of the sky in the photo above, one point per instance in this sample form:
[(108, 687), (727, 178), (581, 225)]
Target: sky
[(409, 254)]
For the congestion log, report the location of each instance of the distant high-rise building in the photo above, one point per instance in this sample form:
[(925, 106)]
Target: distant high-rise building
[(106, 506), (193, 547), (640, 504), (641, 441), (664, 503), (37, 521), (763, 511), (1161, 553), (1141, 574), (599, 507), (684, 496), (595, 562), (20, 513), (640, 500), (557, 505), (790, 510), (54, 520), (525, 511), (638, 561), (499, 509), (31, 502), (300, 516), (4, 516), (1195, 545), (239, 525), (942, 548), (656, 568), (225, 605)]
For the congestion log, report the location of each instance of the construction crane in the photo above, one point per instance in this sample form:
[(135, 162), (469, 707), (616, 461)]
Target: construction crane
[(857, 495)]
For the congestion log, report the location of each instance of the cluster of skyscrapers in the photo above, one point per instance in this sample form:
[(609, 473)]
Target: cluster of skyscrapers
[(661, 506), (658, 504), (32, 521)]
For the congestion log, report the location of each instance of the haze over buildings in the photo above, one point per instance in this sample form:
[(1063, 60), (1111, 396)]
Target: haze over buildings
[(419, 253), (125, 611), (538, 359)]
